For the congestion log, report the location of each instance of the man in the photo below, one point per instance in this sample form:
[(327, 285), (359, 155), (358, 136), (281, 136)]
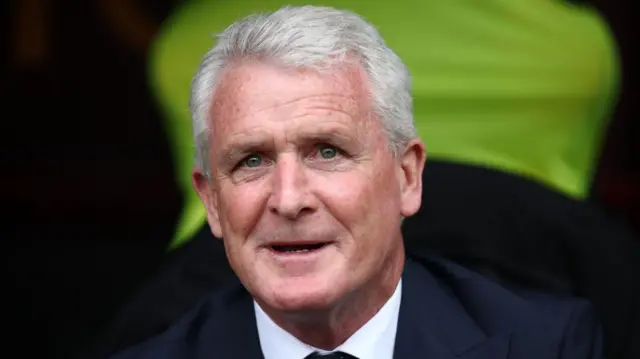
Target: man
[(307, 160)]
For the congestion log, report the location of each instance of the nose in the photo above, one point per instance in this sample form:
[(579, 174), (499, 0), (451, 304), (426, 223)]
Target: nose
[(291, 197)]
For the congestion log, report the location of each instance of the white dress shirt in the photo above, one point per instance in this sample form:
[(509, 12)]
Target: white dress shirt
[(374, 340)]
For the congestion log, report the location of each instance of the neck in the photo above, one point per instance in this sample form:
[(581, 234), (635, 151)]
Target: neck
[(328, 329)]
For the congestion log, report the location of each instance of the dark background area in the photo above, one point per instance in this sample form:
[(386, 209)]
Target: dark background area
[(87, 186)]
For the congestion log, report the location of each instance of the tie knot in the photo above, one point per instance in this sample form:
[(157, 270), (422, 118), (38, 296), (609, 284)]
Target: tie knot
[(334, 355)]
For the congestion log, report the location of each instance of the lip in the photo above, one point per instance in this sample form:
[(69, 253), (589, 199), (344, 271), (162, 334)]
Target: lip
[(304, 255), (297, 243)]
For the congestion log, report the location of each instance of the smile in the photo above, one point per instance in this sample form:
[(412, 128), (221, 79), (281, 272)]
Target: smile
[(297, 248)]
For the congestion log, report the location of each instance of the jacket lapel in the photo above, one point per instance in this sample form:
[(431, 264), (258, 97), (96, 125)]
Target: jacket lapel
[(230, 332), (433, 323)]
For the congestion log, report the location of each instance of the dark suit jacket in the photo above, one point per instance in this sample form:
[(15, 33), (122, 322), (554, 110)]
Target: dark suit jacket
[(447, 311)]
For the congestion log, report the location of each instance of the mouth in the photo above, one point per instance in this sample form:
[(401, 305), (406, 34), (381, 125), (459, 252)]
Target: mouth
[(297, 248)]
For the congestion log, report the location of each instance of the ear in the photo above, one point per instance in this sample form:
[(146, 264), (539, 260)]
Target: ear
[(411, 165), (205, 189)]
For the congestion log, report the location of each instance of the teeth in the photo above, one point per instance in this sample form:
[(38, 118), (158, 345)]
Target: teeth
[(297, 248)]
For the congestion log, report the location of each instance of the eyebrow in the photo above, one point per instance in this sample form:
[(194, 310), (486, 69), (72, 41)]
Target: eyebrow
[(242, 144), (325, 134)]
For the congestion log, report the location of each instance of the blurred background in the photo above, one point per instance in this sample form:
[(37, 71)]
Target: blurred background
[(88, 184)]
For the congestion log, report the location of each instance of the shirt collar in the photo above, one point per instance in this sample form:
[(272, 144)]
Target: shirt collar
[(374, 340)]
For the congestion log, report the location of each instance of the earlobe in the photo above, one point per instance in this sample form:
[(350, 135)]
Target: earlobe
[(411, 166), (205, 190)]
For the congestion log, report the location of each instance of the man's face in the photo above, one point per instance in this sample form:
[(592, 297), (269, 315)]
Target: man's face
[(304, 189)]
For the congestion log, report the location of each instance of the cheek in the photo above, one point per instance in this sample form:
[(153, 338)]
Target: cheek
[(358, 200), (240, 209), (345, 196)]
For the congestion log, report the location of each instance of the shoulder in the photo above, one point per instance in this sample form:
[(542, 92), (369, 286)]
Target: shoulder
[(566, 325), (183, 338)]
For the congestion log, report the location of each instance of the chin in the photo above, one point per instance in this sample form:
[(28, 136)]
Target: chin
[(300, 295)]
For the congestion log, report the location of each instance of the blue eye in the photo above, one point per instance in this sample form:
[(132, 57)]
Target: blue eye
[(252, 161), (328, 152)]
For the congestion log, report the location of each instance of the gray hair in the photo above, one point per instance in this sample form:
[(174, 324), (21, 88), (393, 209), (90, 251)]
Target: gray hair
[(308, 37)]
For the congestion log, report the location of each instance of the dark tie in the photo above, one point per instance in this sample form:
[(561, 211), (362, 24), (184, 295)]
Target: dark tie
[(334, 355)]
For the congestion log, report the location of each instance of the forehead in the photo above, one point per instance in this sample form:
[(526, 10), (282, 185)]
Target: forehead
[(254, 90)]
